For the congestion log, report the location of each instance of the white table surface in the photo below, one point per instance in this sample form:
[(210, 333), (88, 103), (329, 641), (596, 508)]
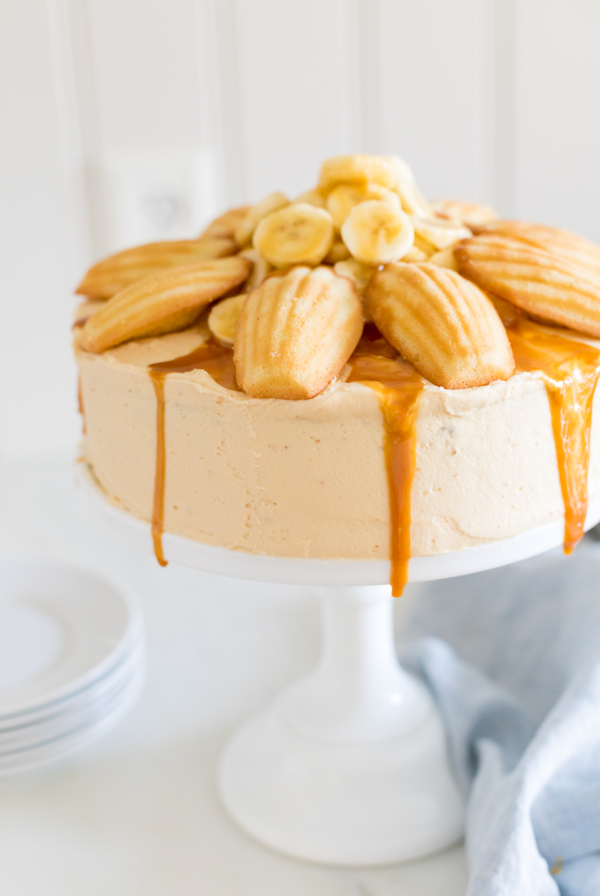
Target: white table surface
[(138, 813)]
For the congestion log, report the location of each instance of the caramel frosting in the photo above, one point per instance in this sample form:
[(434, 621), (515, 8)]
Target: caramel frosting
[(310, 479)]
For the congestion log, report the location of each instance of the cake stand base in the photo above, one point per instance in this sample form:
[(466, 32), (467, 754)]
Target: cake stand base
[(348, 766)]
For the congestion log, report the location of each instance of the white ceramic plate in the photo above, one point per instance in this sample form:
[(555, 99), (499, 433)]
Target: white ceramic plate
[(83, 713), (78, 737), (61, 629), (94, 690)]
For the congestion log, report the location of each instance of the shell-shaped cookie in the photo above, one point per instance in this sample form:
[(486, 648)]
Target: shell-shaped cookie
[(441, 323), (115, 273), (225, 226), (570, 245), (543, 283), (162, 304), (295, 333)]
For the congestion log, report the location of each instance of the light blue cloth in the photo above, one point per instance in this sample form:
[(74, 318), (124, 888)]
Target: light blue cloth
[(513, 659)]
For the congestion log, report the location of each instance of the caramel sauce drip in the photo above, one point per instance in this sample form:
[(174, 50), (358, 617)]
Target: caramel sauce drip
[(561, 359), (158, 503), (80, 405), (398, 387), (218, 362)]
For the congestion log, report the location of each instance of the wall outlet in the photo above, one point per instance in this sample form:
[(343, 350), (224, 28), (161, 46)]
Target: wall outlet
[(143, 197)]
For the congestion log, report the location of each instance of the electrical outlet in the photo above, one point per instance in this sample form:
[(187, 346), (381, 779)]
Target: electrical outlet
[(148, 196)]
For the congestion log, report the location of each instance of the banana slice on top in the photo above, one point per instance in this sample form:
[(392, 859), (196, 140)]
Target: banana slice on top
[(344, 197), (359, 169), (439, 233), (223, 318), (260, 269), (413, 201), (298, 234), (272, 202), (359, 273), (313, 197), (377, 232)]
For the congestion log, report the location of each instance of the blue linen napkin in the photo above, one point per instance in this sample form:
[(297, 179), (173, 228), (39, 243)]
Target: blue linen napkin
[(513, 659)]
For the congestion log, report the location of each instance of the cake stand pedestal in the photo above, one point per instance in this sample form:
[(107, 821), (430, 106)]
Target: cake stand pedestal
[(348, 766)]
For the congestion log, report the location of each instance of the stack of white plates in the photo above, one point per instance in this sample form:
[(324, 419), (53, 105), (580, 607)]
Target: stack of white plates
[(71, 660)]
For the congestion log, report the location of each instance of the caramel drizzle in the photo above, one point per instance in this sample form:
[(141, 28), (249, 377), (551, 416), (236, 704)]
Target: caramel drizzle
[(560, 359), (398, 387), (80, 405), (218, 362)]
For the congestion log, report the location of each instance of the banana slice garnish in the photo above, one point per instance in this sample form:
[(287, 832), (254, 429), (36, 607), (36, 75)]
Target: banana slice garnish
[(445, 258), (359, 169), (313, 197), (260, 269), (298, 234), (223, 318), (359, 273), (377, 232), (413, 201), (344, 197), (338, 252), (440, 234), (271, 203)]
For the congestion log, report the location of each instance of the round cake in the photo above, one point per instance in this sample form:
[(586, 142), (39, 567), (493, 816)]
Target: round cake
[(356, 374)]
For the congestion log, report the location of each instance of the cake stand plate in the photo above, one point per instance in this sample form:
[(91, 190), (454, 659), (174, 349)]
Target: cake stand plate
[(348, 766)]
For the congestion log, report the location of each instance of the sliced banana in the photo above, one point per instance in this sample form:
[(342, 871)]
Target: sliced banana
[(359, 169), (260, 269), (313, 197), (423, 246), (440, 233), (377, 232), (416, 255), (344, 197), (359, 273), (338, 252), (223, 318), (445, 258), (413, 201), (298, 234), (271, 203)]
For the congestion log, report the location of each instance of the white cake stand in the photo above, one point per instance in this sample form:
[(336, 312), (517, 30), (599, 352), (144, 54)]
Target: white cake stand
[(348, 766)]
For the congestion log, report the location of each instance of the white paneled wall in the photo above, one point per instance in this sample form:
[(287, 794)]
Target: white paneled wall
[(488, 99)]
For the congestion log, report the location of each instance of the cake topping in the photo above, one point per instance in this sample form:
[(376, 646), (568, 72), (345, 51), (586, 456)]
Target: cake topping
[(540, 282), (245, 229), (358, 169), (378, 231), (295, 333), (570, 245), (440, 322), (470, 213), (298, 234), (439, 233), (345, 197), (223, 318), (571, 371), (112, 275), (162, 304), (226, 225), (398, 387)]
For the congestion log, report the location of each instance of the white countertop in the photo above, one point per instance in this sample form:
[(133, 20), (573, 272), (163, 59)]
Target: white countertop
[(138, 814)]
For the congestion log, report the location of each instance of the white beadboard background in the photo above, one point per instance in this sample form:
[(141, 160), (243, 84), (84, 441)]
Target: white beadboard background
[(496, 100)]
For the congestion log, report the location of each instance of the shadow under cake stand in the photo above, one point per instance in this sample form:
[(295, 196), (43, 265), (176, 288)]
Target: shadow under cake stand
[(348, 766)]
